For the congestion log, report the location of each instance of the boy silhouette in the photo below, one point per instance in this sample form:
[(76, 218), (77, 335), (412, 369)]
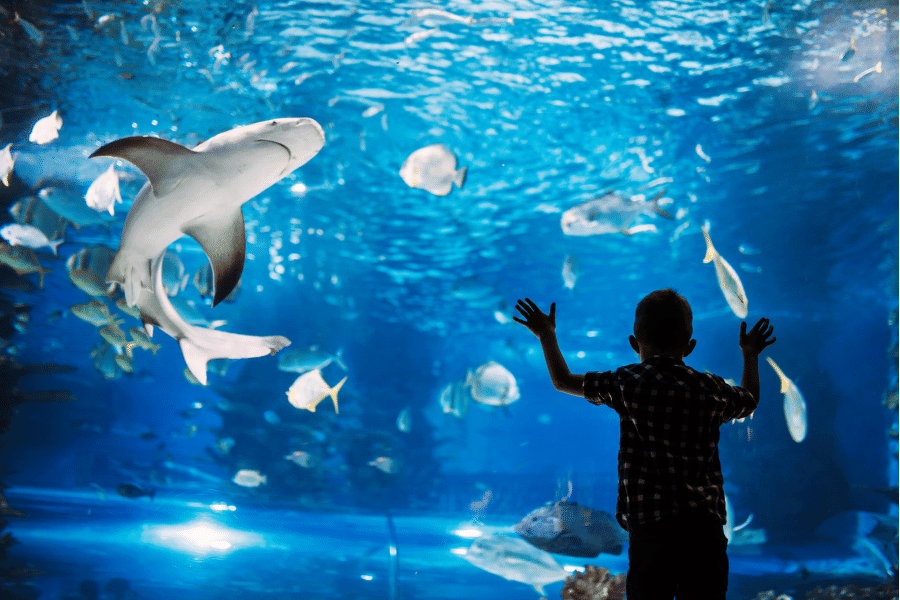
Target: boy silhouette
[(670, 496)]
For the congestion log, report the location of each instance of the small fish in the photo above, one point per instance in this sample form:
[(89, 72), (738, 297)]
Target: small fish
[(134, 311), (610, 213), (571, 529), (404, 420), (570, 271), (87, 270), (33, 211), (28, 235), (173, 273), (127, 490), (35, 34), (309, 389), (302, 361), (125, 363), (794, 405), (455, 399), (104, 362), (71, 206), (114, 335), (729, 282), (271, 417), (7, 162), (224, 444), (103, 193), (249, 478), (140, 339), (433, 168), (436, 16), (493, 385), (516, 560), (192, 315), (384, 464), (23, 260), (701, 153), (46, 129), (94, 312), (301, 458), (851, 51), (875, 69)]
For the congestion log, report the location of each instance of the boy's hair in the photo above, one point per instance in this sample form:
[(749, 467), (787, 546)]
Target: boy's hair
[(663, 320)]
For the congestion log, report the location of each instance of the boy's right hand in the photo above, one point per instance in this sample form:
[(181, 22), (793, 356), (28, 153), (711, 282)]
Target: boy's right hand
[(756, 341), (536, 321)]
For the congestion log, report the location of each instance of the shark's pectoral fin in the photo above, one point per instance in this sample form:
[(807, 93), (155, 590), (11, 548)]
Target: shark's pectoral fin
[(162, 161), (195, 358), (223, 239)]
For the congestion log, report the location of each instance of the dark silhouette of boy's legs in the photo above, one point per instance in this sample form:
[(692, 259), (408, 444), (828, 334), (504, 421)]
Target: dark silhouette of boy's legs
[(683, 559)]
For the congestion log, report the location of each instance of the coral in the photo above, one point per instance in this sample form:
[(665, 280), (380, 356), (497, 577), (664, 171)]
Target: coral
[(595, 583), (834, 592)]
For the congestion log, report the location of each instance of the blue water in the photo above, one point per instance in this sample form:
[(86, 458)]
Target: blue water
[(754, 118)]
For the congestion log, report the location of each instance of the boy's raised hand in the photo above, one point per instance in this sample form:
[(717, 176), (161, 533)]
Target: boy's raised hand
[(536, 321), (756, 341)]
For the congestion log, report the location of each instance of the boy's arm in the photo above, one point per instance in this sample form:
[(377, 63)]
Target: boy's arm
[(544, 327), (752, 344)]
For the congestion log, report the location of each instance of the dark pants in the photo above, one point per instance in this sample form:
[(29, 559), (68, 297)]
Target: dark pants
[(680, 557)]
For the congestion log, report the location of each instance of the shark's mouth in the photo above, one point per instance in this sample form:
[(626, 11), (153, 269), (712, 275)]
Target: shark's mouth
[(288, 150)]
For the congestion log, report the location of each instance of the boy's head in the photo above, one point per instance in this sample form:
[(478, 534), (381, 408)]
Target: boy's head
[(663, 324)]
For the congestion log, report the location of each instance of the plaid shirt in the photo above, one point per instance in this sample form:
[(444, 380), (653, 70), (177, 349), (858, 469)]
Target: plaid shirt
[(669, 419)]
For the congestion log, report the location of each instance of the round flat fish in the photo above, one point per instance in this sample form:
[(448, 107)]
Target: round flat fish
[(433, 168)]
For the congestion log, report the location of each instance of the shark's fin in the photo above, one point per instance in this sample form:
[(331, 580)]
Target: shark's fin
[(160, 160), (223, 239), (195, 358)]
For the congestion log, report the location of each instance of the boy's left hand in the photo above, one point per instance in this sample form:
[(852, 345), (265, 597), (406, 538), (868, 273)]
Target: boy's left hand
[(536, 321)]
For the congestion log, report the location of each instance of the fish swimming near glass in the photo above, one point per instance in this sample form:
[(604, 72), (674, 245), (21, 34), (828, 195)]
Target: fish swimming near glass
[(309, 359), (729, 282), (310, 388), (7, 163), (103, 193), (610, 213), (433, 169), (200, 192), (571, 529), (492, 384), (28, 235), (454, 399), (794, 405), (516, 560), (46, 130)]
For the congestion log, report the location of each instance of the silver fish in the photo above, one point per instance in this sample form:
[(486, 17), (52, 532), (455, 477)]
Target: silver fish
[(516, 560), (433, 168), (610, 213), (493, 384), (455, 399), (310, 359), (794, 405), (572, 530), (729, 282)]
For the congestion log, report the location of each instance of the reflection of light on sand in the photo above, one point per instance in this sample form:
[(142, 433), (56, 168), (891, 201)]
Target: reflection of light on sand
[(200, 537)]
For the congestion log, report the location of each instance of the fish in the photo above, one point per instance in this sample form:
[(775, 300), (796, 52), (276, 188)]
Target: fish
[(436, 16), (570, 271), (140, 339), (23, 261), (610, 213), (571, 529), (32, 211), (199, 193), (249, 478), (128, 490), (28, 235), (94, 312), (699, 150), (493, 385), (455, 399), (850, 52), (794, 405), (404, 420), (311, 359), (129, 310), (104, 362), (103, 192), (86, 268), (516, 560), (7, 163), (310, 388), (729, 282), (875, 69), (198, 345), (385, 464), (114, 335), (70, 206), (203, 281), (35, 34), (124, 362), (301, 458), (173, 274), (433, 168), (46, 129)]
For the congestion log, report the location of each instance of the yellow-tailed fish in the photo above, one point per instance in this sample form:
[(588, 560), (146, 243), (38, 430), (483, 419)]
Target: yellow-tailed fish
[(794, 405), (729, 282)]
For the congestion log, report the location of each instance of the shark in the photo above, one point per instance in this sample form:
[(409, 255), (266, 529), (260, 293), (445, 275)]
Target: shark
[(199, 345), (199, 192)]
